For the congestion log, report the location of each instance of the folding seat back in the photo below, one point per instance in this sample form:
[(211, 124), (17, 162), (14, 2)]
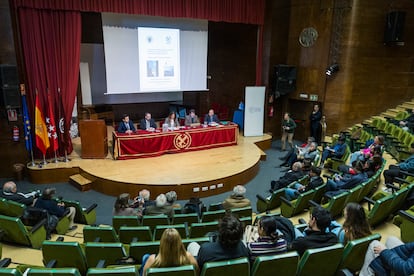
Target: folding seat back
[(109, 252), (128, 234), (9, 272), (118, 221), (271, 265), (139, 249), (118, 271), (320, 261), (153, 221), (83, 215), (399, 198), (159, 230), (239, 267), (99, 234), (269, 203), (242, 212), (213, 215), (380, 211), (184, 270), (199, 240), (336, 204), (66, 254), (52, 271), (14, 209), (201, 229), (215, 206), (185, 218), (354, 253), (296, 206), (319, 192), (3, 206), (15, 231), (407, 225)]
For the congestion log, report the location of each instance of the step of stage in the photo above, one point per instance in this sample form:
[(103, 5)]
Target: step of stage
[(80, 182)]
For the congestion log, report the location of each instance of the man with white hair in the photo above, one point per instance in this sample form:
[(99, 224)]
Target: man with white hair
[(160, 207), (10, 193), (237, 199)]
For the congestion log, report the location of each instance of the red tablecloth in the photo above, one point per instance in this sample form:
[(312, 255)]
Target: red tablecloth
[(148, 144)]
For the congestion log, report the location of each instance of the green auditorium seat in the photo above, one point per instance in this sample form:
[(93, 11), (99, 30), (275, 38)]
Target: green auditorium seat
[(185, 218), (202, 228), (335, 205), (354, 253), (83, 215), (184, 270), (215, 206), (153, 221), (199, 240), (242, 212), (66, 254), (407, 225), (213, 215), (239, 267), (159, 229), (320, 261), (99, 234), (380, 210), (270, 265), (128, 234), (118, 221), (139, 249), (53, 271), (14, 209), (15, 231), (271, 202), (100, 251), (296, 206), (118, 271), (9, 272)]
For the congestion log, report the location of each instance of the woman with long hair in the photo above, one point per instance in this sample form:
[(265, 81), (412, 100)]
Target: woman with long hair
[(269, 241), (356, 225), (172, 252), (172, 120)]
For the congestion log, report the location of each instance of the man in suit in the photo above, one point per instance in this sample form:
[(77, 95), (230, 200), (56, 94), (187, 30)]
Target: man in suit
[(191, 118), (211, 117), (126, 126), (148, 123)]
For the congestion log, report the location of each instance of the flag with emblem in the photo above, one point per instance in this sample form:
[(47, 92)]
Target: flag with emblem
[(42, 139)]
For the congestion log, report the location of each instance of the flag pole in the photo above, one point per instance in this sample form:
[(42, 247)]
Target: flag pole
[(32, 164), (56, 159), (44, 162), (66, 156)]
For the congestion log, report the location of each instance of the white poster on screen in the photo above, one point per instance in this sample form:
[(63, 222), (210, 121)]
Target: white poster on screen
[(159, 56), (254, 110)]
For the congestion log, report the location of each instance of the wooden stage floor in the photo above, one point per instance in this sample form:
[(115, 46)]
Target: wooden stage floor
[(191, 174)]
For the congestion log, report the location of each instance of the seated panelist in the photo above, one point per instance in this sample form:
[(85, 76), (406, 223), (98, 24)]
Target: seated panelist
[(126, 126), (148, 123), (172, 120), (191, 118), (211, 117)]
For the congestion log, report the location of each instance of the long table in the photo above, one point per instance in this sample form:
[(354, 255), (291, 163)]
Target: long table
[(148, 144)]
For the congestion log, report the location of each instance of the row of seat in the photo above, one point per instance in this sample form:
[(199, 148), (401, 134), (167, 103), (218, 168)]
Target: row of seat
[(313, 262)]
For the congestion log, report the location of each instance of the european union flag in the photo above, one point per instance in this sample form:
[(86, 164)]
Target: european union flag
[(26, 124)]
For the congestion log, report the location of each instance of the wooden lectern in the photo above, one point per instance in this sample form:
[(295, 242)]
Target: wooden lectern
[(94, 138)]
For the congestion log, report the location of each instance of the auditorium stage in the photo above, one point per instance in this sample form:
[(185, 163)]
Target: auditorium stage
[(191, 174)]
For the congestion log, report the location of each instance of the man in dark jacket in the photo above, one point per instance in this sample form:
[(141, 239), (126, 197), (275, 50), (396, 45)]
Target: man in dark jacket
[(314, 182), (10, 193), (315, 235), (293, 175)]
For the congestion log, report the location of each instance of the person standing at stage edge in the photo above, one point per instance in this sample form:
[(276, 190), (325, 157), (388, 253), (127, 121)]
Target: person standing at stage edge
[(288, 129), (315, 123)]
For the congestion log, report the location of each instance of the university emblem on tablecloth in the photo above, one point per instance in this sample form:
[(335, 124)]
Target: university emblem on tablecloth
[(182, 140)]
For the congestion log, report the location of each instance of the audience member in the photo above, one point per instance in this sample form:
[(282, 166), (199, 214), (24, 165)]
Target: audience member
[(356, 224), (160, 207), (315, 123), (337, 151), (237, 199), (171, 199), (10, 193), (395, 170), (53, 207), (228, 246), (171, 253), (393, 258), (310, 155), (349, 181), (122, 207), (172, 121), (408, 123), (191, 118), (293, 152), (211, 118), (143, 199), (293, 175), (375, 145), (315, 181), (315, 235), (147, 123), (270, 240), (126, 126), (288, 129)]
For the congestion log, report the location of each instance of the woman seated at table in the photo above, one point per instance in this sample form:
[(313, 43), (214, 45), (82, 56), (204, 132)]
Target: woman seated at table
[(172, 120)]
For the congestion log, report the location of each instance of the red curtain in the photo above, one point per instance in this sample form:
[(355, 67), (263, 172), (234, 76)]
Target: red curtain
[(236, 11), (51, 50)]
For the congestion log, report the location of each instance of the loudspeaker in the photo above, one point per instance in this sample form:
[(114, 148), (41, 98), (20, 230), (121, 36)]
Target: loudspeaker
[(8, 75), (11, 96), (284, 79), (394, 28)]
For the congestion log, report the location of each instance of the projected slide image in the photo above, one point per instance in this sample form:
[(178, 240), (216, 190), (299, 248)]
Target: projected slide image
[(168, 70), (152, 68)]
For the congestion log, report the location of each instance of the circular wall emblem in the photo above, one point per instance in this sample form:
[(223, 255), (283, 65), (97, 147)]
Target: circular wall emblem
[(308, 37), (182, 140)]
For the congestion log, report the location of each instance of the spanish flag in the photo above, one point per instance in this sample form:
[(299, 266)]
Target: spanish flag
[(42, 139)]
